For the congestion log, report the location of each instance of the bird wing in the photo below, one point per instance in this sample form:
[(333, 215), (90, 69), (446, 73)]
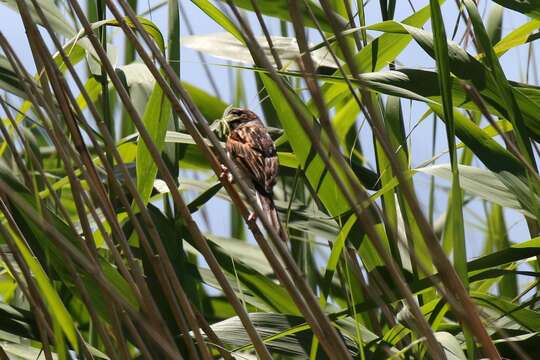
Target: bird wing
[(253, 149)]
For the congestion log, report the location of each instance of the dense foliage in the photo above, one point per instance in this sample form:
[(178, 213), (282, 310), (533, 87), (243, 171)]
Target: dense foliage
[(110, 186)]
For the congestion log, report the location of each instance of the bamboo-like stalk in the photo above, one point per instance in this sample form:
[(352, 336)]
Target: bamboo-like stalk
[(361, 215), (183, 210), (55, 184), (277, 242), (17, 66), (65, 246), (28, 286), (360, 191), (266, 33), (93, 177), (510, 144), (95, 318), (467, 311), (107, 343), (165, 284), (307, 67), (200, 55), (315, 142)]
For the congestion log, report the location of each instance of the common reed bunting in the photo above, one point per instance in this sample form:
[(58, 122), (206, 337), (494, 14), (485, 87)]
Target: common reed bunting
[(251, 148)]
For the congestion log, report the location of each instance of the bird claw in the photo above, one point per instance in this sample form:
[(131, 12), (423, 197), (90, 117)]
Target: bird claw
[(252, 217), (225, 174)]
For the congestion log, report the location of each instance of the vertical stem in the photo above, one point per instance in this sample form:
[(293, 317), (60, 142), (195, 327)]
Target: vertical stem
[(126, 126), (173, 151), (104, 82)]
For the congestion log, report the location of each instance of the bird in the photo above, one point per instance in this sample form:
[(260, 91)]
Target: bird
[(251, 148)]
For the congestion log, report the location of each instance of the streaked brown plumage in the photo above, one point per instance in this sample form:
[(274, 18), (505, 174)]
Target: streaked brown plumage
[(251, 148)]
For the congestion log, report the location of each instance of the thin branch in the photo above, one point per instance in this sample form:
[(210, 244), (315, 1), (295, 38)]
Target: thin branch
[(162, 169)]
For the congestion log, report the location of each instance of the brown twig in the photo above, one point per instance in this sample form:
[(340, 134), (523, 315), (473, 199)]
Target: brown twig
[(291, 267), (183, 210)]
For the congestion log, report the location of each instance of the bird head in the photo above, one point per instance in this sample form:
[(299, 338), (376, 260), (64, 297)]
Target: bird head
[(234, 117)]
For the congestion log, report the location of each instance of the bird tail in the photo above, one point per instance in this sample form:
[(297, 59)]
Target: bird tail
[(267, 204)]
